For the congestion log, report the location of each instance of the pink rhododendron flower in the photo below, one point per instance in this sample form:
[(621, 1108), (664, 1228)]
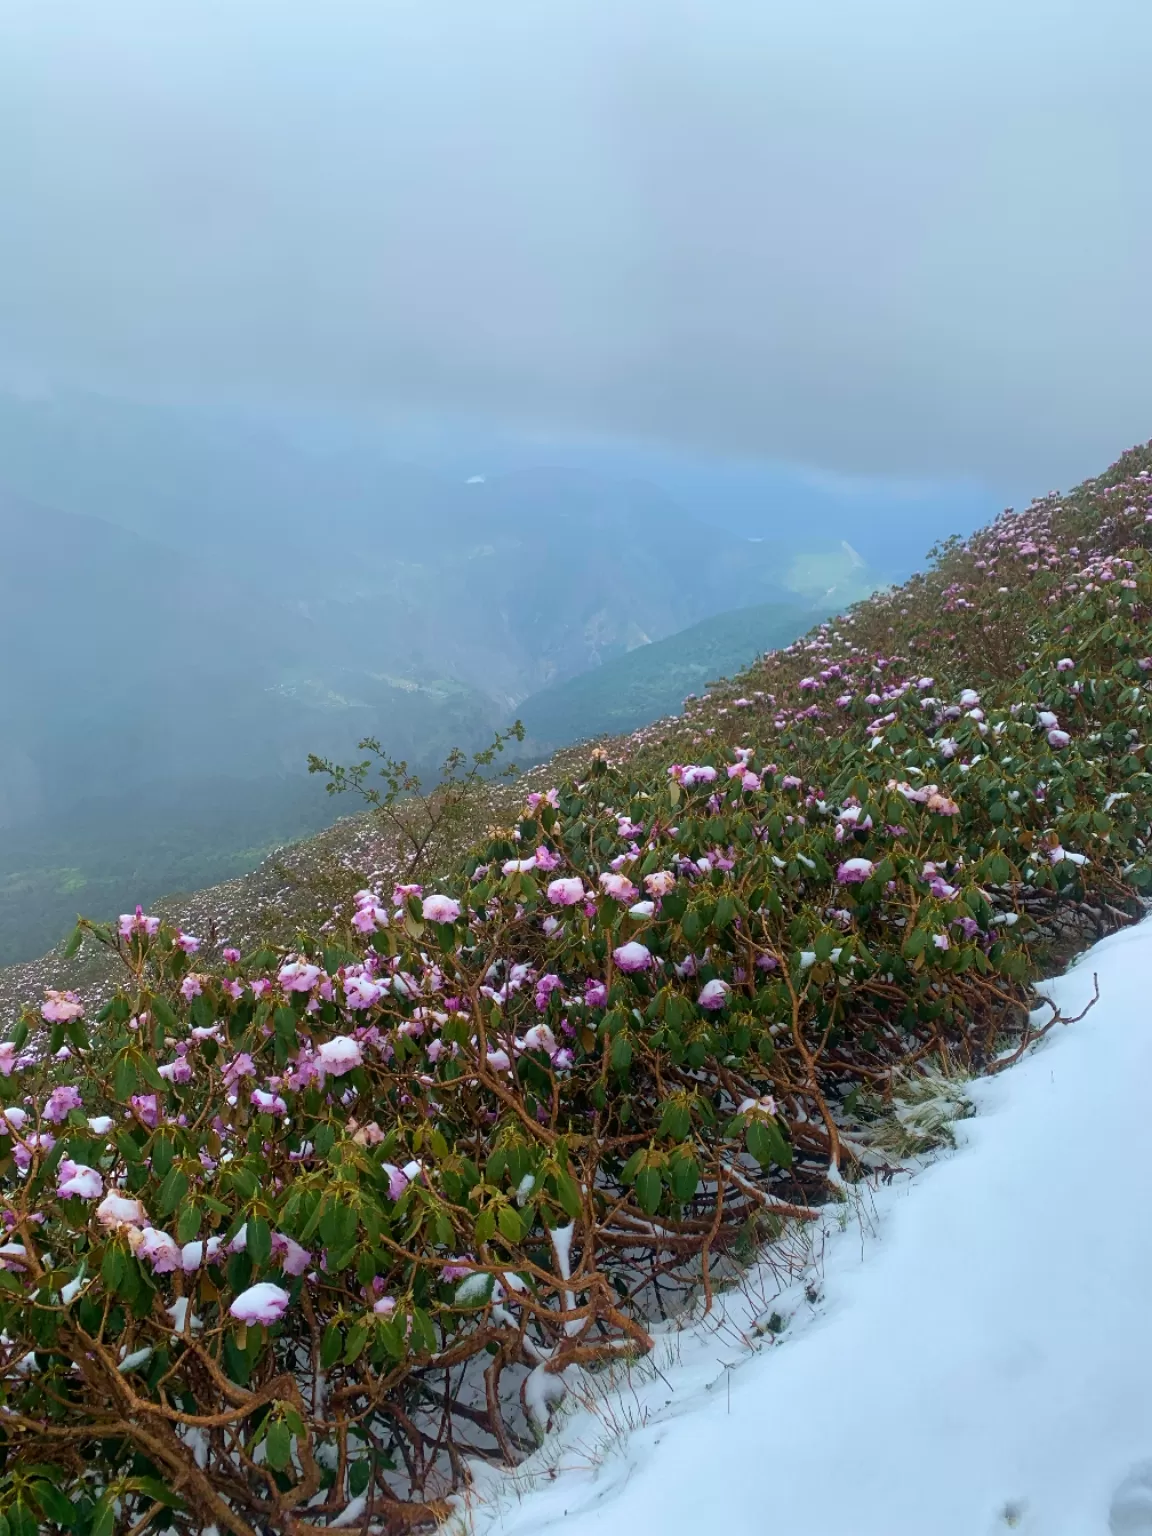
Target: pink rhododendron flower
[(595, 994), (384, 1305), (160, 1250), (60, 1101), (121, 1211), (264, 1303), (61, 1007), (299, 976), (368, 918), (546, 859), (186, 942), (267, 1103), (178, 1071), (544, 988), (619, 887), (441, 909), (713, 995), (567, 893), (401, 893), (294, 1259), (541, 1038), (240, 1066), (1065, 664), (632, 957), (659, 882), (78, 1179), (339, 1055), (942, 805), (398, 1179), (147, 1107), (191, 987), (519, 866), (854, 871), (192, 1255), (765, 1105), (362, 991), (231, 956), (1058, 738), (7, 1058), (133, 923)]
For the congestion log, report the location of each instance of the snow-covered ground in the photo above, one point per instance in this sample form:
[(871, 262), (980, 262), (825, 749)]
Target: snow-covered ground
[(970, 1353)]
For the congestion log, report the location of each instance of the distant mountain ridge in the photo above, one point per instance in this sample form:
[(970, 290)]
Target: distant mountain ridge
[(653, 680)]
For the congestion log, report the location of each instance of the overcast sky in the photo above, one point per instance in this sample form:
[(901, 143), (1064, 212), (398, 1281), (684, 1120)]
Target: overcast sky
[(905, 236)]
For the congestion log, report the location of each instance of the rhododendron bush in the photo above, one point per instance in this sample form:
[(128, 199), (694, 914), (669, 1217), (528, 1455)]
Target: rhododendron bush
[(291, 1236)]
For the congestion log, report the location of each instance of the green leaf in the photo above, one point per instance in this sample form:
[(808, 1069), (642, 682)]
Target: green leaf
[(284, 1024), (485, 1228), (259, 1240), (357, 1338), (157, 1491), (163, 1151), (766, 1144), (423, 1333), (278, 1444), (113, 1266), (22, 1522), (171, 1191), (53, 1504), (621, 1053), (568, 1193), (648, 1190), (243, 1181), (685, 1177), (75, 939), (188, 1222), (331, 1346), (163, 1013), (359, 1475), (124, 1078), (632, 1167), (510, 1224), (676, 1121), (914, 944)]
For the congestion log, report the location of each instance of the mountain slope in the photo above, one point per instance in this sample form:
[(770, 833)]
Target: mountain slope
[(653, 680)]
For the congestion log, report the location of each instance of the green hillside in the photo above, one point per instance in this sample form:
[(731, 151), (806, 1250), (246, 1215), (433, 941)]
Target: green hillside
[(654, 680)]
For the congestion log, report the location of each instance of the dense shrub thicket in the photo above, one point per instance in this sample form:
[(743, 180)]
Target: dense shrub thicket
[(291, 1236)]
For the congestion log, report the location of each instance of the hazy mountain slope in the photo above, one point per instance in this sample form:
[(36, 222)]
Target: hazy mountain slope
[(653, 680), (508, 584)]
